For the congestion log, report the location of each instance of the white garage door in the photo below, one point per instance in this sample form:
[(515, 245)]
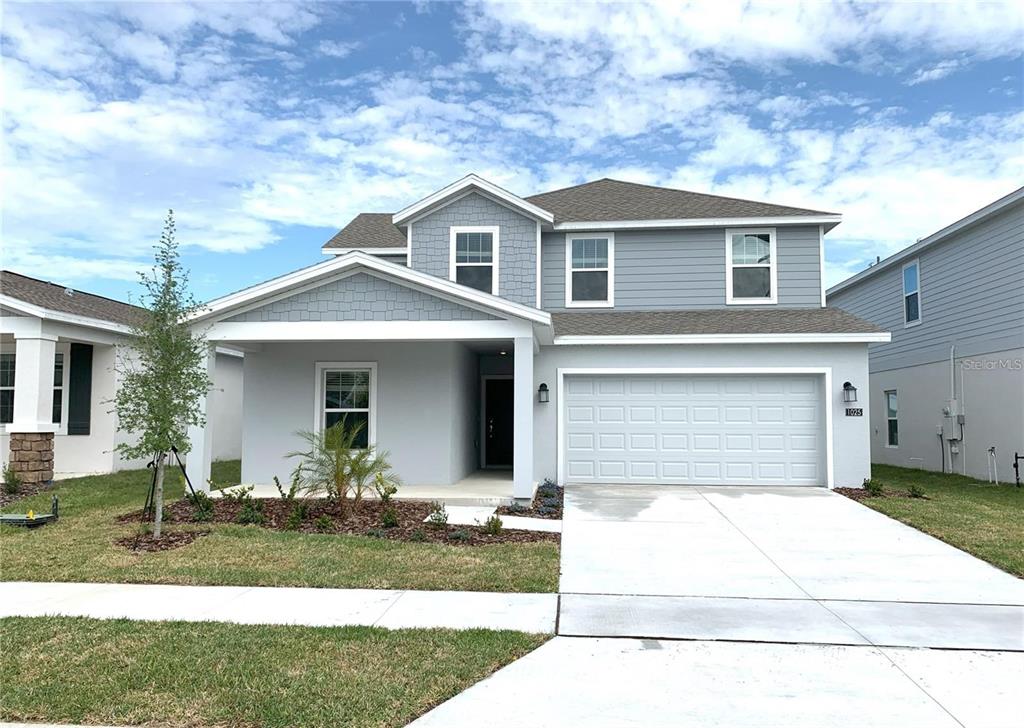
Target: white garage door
[(694, 429)]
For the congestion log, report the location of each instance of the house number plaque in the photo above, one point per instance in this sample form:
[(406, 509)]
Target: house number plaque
[(854, 412)]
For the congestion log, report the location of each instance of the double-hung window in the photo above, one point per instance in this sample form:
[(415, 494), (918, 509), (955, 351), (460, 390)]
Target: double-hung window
[(892, 425), (912, 294), (6, 387), (590, 270), (474, 257), (58, 387), (751, 275), (345, 393)]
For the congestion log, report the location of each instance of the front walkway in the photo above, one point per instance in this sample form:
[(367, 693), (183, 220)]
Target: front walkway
[(283, 605)]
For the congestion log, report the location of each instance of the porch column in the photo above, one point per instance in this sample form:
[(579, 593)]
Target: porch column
[(32, 428), (200, 437), (522, 396)]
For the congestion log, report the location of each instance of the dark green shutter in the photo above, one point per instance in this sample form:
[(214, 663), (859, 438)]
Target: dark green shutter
[(80, 384)]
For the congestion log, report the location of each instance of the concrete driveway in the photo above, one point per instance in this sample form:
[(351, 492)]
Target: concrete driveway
[(775, 565)]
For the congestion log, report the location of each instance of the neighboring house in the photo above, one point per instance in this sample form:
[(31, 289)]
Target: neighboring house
[(949, 387), (58, 347), (604, 333)]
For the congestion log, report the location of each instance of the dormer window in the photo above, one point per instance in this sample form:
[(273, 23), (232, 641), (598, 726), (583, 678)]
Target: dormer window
[(750, 275), (474, 258), (590, 270)]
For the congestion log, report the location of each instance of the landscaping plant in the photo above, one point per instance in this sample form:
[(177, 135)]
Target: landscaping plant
[(164, 369), (438, 516), (873, 487), (12, 481), (493, 524)]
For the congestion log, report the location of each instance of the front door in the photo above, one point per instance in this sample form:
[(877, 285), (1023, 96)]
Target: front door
[(498, 423)]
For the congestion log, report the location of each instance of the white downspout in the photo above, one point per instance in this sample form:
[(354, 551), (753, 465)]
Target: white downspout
[(963, 411), (952, 396)]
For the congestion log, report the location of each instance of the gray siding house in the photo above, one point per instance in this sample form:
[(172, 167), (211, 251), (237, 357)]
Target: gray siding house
[(947, 392), (603, 333)]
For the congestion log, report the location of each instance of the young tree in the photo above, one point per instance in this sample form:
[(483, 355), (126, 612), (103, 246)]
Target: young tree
[(163, 373)]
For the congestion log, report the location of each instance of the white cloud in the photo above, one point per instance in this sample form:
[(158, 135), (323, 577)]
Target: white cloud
[(938, 71), (337, 49)]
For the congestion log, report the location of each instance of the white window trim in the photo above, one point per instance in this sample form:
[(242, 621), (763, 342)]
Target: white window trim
[(65, 349), (610, 302), (916, 262), (14, 388), (885, 409), (773, 267), (495, 248), (318, 394)]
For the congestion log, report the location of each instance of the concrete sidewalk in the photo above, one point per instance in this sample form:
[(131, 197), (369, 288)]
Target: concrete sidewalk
[(283, 605)]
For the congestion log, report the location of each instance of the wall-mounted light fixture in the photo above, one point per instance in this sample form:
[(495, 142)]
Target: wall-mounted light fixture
[(849, 393), (542, 393)]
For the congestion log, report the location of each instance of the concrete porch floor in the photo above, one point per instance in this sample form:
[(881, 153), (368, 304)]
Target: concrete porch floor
[(482, 488)]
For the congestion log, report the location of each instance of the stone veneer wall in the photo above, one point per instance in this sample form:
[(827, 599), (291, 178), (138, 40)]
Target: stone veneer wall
[(32, 456)]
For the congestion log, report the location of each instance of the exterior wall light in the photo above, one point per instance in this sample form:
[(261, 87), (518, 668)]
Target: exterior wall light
[(542, 393), (849, 393)]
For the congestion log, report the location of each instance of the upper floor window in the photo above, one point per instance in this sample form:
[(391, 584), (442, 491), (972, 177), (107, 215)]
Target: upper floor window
[(911, 294), (474, 258), (590, 270), (750, 275)]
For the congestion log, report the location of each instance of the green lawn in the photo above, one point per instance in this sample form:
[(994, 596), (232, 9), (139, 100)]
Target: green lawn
[(75, 670), (80, 547), (981, 518)]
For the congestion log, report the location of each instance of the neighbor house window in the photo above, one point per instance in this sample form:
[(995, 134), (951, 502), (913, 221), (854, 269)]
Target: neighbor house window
[(891, 423), (345, 394), (474, 258), (590, 270), (911, 294), (58, 387), (750, 275), (6, 388)]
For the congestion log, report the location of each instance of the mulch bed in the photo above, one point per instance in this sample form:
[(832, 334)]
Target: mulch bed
[(24, 491), (166, 542), (861, 494), (327, 516), (547, 503)]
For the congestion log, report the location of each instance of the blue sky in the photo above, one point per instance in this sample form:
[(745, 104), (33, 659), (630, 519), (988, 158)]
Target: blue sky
[(268, 126)]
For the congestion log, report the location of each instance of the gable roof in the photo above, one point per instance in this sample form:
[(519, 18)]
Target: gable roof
[(471, 182), (614, 200), (368, 230), (937, 237), (49, 296)]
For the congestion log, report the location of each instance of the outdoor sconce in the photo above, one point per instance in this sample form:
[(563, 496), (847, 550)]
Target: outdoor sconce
[(849, 393), (542, 393)]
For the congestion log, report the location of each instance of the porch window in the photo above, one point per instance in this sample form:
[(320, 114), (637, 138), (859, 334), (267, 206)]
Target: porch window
[(58, 387), (590, 270), (347, 395), (892, 434), (6, 388), (474, 258), (750, 266)]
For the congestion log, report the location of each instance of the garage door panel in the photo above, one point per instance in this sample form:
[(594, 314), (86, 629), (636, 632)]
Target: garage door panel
[(695, 429)]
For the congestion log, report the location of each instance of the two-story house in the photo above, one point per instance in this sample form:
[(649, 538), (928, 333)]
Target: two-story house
[(604, 333), (947, 393)]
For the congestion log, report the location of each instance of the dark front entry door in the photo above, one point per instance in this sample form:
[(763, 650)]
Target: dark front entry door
[(498, 422)]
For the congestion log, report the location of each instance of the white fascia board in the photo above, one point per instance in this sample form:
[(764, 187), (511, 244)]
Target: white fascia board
[(830, 221), (348, 261), (471, 180), (61, 316), (936, 237), (270, 331), (368, 250), (875, 338)]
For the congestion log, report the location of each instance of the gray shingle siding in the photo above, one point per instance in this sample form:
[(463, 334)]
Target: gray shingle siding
[(517, 267), (361, 297), (971, 295), (685, 268)]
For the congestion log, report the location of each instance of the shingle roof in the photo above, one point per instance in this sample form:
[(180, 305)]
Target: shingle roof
[(368, 230), (610, 199), (710, 321), (55, 297)]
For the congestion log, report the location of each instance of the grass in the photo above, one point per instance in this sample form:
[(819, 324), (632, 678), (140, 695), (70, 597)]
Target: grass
[(119, 672), (80, 547), (981, 518)]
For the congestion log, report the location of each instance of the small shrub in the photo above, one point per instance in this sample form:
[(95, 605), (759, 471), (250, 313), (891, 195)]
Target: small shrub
[(237, 495), (418, 535), (548, 490), (386, 489), (916, 491), (389, 517), (550, 502), (12, 481), (324, 523), (293, 489), (460, 535), (873, 487), (251, 513), (547, 511), (493, 525), (518, 508), (296, 516), (203, 504), (376, 533), (438, 516)]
